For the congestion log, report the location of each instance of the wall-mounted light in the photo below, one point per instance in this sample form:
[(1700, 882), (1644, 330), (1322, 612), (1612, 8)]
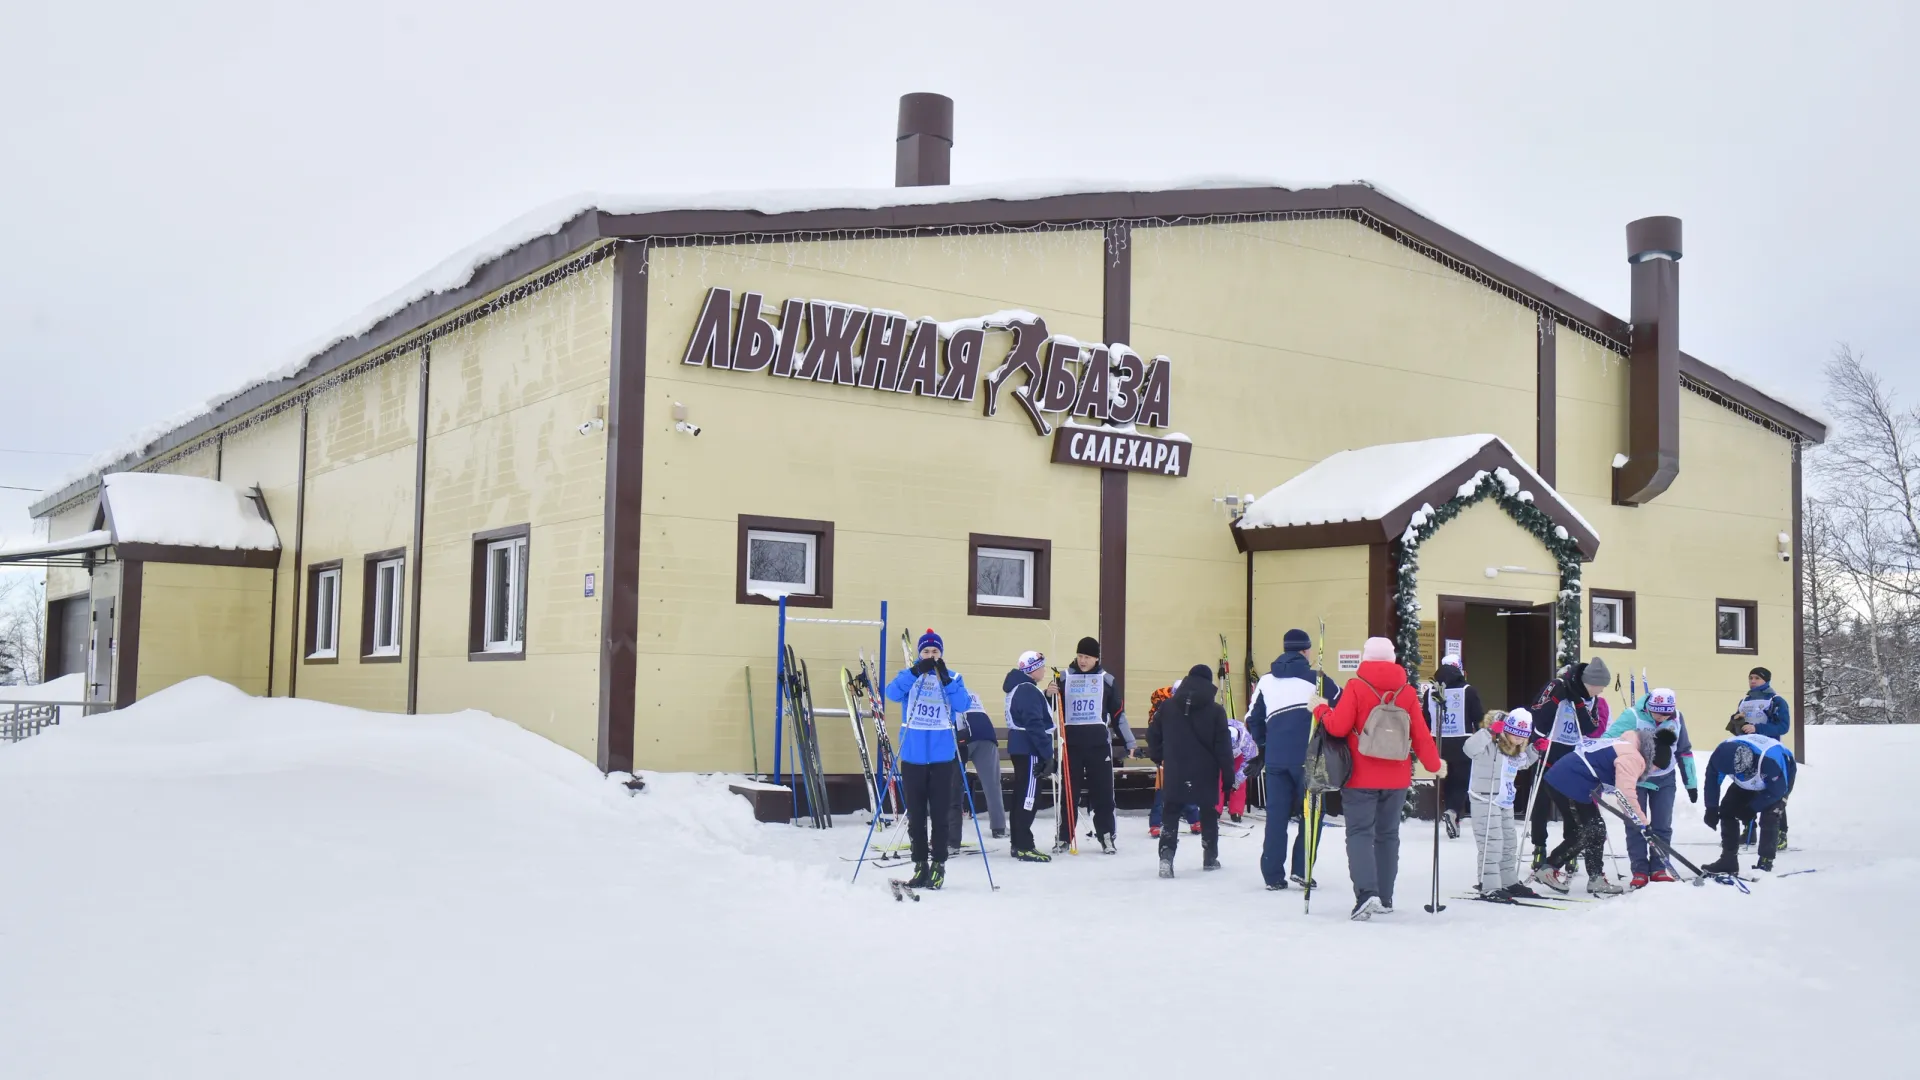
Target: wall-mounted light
[(1786, 548), (1496, 571)]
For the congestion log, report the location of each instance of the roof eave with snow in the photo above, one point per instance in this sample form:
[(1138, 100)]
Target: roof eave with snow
[(549, 236), (1383, 487)]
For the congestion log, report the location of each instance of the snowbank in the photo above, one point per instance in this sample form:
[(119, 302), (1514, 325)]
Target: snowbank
[(214, 886), (65, 688)]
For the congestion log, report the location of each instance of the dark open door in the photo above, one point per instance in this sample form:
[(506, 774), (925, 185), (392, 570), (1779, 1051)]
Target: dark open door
[(1529, 652)]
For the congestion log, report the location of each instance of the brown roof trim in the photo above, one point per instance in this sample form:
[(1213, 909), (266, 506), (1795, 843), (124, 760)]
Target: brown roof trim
[(1389, 527), (198, 556), (592, 226)]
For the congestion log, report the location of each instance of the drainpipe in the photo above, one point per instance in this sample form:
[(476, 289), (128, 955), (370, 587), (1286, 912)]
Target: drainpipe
[(923, 146), (1653, 388)]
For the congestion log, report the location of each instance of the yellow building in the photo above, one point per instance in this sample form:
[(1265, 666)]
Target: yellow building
[(565, 490)]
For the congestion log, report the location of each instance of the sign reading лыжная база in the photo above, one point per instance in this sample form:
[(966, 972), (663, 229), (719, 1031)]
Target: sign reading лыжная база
[(885, 351)]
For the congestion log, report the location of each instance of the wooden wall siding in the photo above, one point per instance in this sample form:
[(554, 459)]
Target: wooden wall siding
[(905, 481), (203, 620), (505, 403)]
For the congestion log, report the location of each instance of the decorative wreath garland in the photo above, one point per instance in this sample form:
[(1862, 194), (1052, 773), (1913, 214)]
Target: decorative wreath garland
[(1504, 488)]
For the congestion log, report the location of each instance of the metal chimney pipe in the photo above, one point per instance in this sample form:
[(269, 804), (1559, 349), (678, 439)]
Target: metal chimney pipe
[(923, 146), (1653, 377)]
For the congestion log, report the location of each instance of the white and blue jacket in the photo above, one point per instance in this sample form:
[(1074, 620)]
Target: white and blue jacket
[(930, 715)]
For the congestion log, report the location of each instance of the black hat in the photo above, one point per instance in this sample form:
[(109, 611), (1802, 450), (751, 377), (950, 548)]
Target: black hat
[(1200, 672), (1088, 647), (1296, 641), (1765, 675)]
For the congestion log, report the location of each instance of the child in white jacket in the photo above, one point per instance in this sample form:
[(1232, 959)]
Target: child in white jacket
[(1499, 751)]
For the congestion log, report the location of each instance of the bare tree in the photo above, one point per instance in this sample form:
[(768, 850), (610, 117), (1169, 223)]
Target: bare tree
[(23, 628)]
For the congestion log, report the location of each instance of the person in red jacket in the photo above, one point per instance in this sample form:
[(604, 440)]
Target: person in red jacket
[(1382, 770)]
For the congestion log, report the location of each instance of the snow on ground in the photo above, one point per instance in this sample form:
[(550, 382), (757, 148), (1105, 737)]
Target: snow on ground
[(209, 885)]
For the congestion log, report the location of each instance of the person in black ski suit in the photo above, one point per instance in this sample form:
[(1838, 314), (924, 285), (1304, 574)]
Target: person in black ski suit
[(1571, 701), (1094, 715), (1188, 737), (1451, 728)]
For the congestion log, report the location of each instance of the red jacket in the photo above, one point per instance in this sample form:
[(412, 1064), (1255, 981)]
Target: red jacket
[(1377, 677)]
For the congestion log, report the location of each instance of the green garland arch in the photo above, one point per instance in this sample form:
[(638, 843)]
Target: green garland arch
[(1503, 488)]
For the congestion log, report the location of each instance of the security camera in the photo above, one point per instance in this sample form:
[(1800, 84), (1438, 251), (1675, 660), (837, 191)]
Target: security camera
[(1786, 556), (591, 426), (685, 427)]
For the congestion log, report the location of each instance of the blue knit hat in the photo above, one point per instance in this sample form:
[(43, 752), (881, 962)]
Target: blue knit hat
[(1296, 641), (931, 638)]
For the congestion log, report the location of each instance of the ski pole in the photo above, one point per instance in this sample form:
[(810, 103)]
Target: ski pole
[(1699, 876), (971, 812), (1436, 907)]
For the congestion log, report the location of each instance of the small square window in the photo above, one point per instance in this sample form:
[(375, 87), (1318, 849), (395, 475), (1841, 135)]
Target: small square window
[(1610, 619), (497, 619), (790, 557), (1002, 577), (323, 611), (1008, 576), (381, 598), (781, 563), (1736, 628)]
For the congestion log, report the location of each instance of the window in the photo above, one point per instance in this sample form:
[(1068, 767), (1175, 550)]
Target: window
[(497, 621), (791, 557), (1736, 626), (1008, 576), (383, 585), (323, 612), (1610, 619)]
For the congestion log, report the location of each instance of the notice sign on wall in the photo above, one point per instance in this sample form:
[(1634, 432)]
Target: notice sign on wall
[(1349, 659), (825, 341)]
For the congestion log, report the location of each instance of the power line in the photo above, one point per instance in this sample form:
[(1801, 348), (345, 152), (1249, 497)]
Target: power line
[(13, 487)]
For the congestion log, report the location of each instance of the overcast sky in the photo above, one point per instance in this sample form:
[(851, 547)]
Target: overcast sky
[(192, 191)]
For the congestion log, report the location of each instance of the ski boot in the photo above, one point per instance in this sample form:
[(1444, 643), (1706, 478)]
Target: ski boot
[(1727, 863), (1282, 887), (922, 874), (1301, 880), (936, 875), (1166, 866), (1557, 880), (1193, 827), (1764, 866), (1451, 820), (1235, 818), (1364, 908), (1032, 856), (1059, 847), (1598, 885), (1153, 832), (1520, 891), (1106, 844), (1211, 864), (1539, 856), (1640, 881), (1662, 874), (999, 834)]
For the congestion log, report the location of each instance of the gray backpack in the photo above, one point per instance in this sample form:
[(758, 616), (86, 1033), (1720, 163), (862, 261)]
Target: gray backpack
[(1387, 732)]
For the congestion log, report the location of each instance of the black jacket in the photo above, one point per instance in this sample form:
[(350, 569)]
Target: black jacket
[(1188, 737), (1450, 678)]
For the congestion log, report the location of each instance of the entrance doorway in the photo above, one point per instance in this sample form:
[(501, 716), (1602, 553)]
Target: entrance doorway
[(1505, 647)]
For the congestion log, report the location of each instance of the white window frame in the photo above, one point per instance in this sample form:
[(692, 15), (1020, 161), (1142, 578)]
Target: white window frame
[(1618, 606), (388, 604), (515, 639), (326, 615), (1025, 557), (810, 587), (1746, 631)]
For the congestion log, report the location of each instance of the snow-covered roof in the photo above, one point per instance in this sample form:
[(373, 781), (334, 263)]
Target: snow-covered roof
[(42, 549), (184, 511), (460, 270), (1390, 484)]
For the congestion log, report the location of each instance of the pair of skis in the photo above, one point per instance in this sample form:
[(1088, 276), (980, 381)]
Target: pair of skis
[(877, 760), (806, 738)]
